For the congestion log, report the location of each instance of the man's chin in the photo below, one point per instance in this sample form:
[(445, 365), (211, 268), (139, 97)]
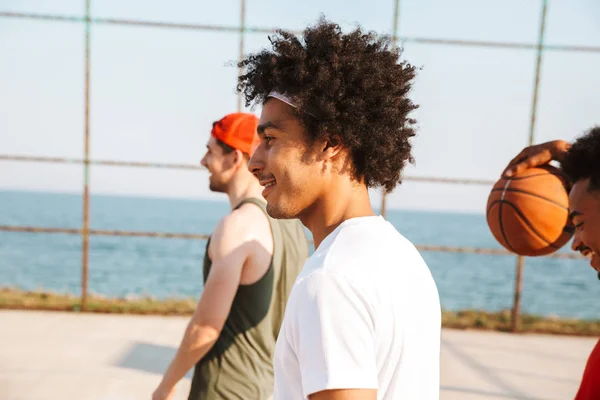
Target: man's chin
[(595, 262), (277, 212), (216, 188)]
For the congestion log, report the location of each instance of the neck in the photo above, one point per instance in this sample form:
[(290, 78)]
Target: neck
[(340, 203), (242, 187)]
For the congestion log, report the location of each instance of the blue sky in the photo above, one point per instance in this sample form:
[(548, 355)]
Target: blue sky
[(155, 92)]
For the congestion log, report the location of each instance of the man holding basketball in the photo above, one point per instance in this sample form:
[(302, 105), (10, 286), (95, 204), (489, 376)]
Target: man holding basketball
[(581, 163), (363, 319)]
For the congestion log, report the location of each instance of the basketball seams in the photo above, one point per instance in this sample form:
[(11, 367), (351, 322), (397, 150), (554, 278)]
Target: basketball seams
[(528, 223), (530, 194), (551, 170), (489, 210), (501, 201), (518, 178), (493, 203)]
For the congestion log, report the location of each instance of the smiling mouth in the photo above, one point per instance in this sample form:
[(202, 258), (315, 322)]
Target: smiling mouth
[(588, 254), (266, 182), (267, 187)]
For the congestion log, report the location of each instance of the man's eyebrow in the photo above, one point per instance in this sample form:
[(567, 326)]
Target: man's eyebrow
[(574, 214), (267, 125)]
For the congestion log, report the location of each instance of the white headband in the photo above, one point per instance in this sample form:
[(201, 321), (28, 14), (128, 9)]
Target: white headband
[(282, 97), (285, 99)]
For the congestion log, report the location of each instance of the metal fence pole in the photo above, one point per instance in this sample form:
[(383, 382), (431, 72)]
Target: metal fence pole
[(86, 166), (538, 64), (242, 35), (518, 289)]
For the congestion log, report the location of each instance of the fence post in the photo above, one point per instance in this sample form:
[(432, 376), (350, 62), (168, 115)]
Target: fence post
[(536, 85), (241, 55), (394, 40), (86, 166), (517, 298)]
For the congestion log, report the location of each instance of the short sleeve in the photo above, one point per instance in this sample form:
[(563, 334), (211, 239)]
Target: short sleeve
[(333, 334)]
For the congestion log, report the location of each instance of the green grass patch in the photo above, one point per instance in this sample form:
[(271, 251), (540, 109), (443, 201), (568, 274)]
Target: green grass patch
[(502, 321), (16, 299), (38, 300)]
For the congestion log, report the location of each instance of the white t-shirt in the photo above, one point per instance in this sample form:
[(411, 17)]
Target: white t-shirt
[(363, 313)]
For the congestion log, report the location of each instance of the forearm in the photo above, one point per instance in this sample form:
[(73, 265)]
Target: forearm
[(196, 342)]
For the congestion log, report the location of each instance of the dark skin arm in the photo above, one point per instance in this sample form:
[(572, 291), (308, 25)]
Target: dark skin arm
[(534, 156)]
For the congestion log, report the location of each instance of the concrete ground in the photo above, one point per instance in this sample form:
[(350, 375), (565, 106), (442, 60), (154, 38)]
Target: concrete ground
[(49, 355)]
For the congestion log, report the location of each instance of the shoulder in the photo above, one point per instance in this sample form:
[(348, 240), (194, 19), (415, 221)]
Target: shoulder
[(371, 242), (241, 222), (242, 228), (324, 288), (375, 232), (373, 259)]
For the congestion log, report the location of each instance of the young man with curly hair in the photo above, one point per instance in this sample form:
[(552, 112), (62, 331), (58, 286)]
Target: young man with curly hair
[(581, 163), (363, 318)]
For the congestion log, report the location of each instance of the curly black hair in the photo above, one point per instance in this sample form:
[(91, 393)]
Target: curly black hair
[(351, 88), (582, 160)]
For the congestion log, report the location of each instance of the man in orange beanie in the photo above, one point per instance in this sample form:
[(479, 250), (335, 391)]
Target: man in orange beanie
[(250, 265)]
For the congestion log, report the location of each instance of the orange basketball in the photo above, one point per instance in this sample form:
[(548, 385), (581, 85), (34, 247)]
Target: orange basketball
[(529, 212)]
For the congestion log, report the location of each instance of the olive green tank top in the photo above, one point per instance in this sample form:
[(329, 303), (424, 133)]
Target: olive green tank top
[(240, 364)]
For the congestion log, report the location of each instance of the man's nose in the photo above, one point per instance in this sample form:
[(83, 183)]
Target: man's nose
[(256, 163)]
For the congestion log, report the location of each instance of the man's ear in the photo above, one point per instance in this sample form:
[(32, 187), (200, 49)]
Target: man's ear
[(238, 157), (331, 147)]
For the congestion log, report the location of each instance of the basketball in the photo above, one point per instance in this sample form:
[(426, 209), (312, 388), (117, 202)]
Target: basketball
[(528, 213)]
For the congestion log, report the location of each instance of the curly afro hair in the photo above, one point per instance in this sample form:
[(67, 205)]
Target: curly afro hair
[(350, 88), (582, 161)]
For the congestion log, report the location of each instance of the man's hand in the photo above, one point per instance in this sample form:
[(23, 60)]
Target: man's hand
[(163, 394), (537, 155)]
